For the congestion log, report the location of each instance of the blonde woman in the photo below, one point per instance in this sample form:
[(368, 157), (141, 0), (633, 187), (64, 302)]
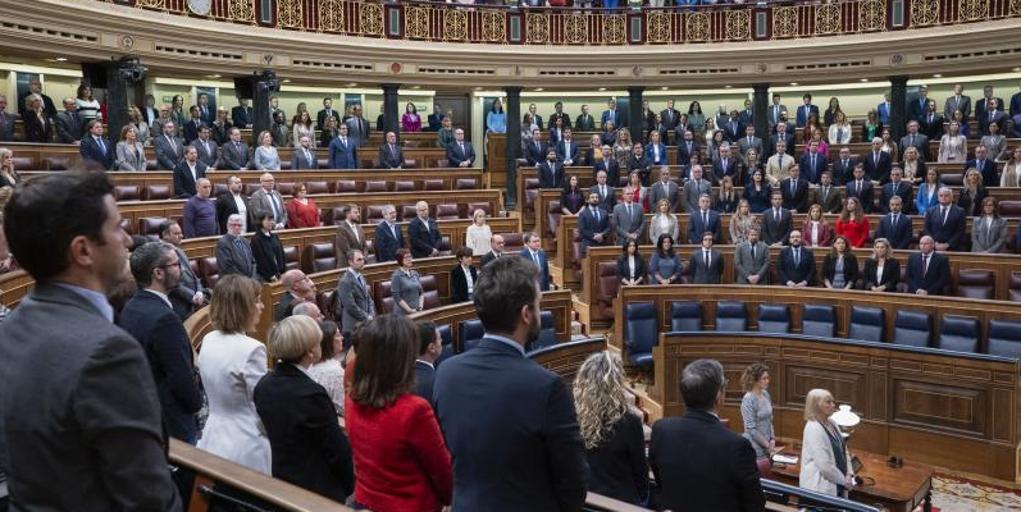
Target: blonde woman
[(953, 147), (479, 234), (266, 157), (622, 147), (1011, 176), (8, 176), (825, 462), (663, 221), (614, 442), (741, 222), (141, 127)]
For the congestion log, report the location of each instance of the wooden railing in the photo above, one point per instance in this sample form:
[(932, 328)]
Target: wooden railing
[(440, 22)]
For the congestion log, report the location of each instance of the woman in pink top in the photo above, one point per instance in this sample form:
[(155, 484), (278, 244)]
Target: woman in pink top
[(410, 121)]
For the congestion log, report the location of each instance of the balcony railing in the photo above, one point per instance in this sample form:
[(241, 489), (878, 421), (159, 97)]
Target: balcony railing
[(440, 22)]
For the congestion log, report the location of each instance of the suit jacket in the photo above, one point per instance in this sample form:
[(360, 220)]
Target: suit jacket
[(321, 118), (862, 193), (391, 159), (589, 227), (624, 224), (701, 465), (181, 296), (565, 154), (91, 151), (669, 191), (535, 153), (543, 267), (38, 130), (697, 226), (1015, 104), (385, 243), (360, 135), (585, 123), (309, 448), (551, 174), (830, 199), (889, 278), (829, 268), (268, 252), (127, 161), (900, 234), (234, 157), (952, 231), (877, 170), (812, 174), (608, 200), (963, 104), (7, 127), (455, 155), (459, 288), (69, 127), (692, 191), (346, 241), (999, 118), (803, 113), (211, 157), (933, 129), (425, 377), (684, 152), (355, 302), (804, 270), (184, 181), (425, 237), (227, 206), (798, 200), (191, 130), (990, 176), (343, 156), (988, 239), (486, 258), (168, 155), (902, 189), (612, 168), (935, 280), (743, 145), (233, 260), (843, 172), (155, 325), (774, 230), (93, 433), (702, 274), (732, 169), (982, 108), (533, 457), (919, 141), (260, 203), (746, 265), (241, 116), (916, 107)]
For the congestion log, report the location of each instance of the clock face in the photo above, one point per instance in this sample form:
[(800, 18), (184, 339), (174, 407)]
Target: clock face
[(200, 7)]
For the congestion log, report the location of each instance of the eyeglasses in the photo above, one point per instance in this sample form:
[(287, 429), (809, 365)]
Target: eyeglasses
[(172, 264)]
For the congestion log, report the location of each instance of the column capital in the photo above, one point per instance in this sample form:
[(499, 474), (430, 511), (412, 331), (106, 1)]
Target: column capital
[(899, 79), (635, 89), (761, 87), (390, 87), (513, 90)]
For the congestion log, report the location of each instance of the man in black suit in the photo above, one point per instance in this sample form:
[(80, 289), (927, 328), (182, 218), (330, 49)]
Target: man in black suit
[(895, 226), (593, 224), (843, 167), (79, 412), (706, 263), (917, 106), (388, 237), (782, 135), (188, 172), (726, 165), (391, 156), (860, 188), (496, 243), (698, 463), (776, 221), (558, 113), (606, 192), (670, 116), (189, 293), (49, 109), (429, 348), (95, 149), (69, 123), (946, 222), (191, 128), (423, 232), (230, 202), (241, 115), (796, 267), (150, 318), (609, 165), (326, 113), (928, 271), (584, 122), (877, 163), (460, 153), (550, 171), (304, 157), (896, 188), (826, 195), (535, 150), (526, 454), (704, 219), (794, 191), (813, 164), (985, 165), (687, 148)]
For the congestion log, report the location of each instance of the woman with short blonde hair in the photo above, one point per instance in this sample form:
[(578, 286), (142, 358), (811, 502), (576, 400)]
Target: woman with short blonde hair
[(479, 234), (825, 462)]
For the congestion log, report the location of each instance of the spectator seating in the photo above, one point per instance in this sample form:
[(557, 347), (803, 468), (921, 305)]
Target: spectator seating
[(470, 334)]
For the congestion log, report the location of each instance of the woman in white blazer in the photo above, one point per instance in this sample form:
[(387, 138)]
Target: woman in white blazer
[(825, 462), (231, 364)]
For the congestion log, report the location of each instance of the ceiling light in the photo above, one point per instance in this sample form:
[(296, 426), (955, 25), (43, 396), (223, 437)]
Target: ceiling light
[(61, 59), (864, 79), (663, 88), (416, 86), (478, 88), (286, 80), (538, 89), (794, 84), (602, 88), (1017, 69), (728, 86), (937, 75)]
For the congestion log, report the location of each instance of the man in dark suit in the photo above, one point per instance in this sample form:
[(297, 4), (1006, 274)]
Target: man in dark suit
[(430, 345), (325, 113), (826, 195), (813, 164), (796, 267), (423, 232), (982, 105), (241, 115), (687, 148), (69, 123), (558, 113), (917, 106), (957, 101), (628, 219), (230, 202), (805, 110), (606, 192), (304, 157), (860, 188), (609, 165), (95, 149), (782, 135), (895, 226), (776, 222), (391, 156), (233, 253), (666, 189), (234, 153), (670, 116), (931, 125), (843, 167), (208, 150), (535, 150), (353, 296), (946, 223), (698, 463), (696, 186), (189, 292), (526, 454), (35, 86), (191, 128), (732, 127), (992, 114), (79, 412), (749, 141), (726, 165), (496, 244), (928, 271), (567, 148), (751, 260), (460, 153), (584, 122), (916, 140), (168, 147), (532, 251), (206, 112), (593, 224), (877, 163), (298, 289), (388, 237), (550, 171), (896, 188), (706, 263), (702, 220), (343, 150), (188, 172), (350, 236), (794, 191), (985, 165), (150, 318), (358, 128)]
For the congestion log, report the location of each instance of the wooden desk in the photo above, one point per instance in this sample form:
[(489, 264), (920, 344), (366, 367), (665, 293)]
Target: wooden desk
[(895, 489)]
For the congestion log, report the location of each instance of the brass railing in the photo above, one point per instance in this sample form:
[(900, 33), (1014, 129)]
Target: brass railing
[(428, 21)]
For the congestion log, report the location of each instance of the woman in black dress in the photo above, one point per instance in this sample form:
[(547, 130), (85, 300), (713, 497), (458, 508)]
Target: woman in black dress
[(270, 262)]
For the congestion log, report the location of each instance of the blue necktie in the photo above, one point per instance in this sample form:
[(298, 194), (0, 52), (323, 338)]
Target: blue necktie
[(102, 147)]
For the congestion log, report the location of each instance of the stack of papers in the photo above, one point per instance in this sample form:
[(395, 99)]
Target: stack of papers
[(785, 459)]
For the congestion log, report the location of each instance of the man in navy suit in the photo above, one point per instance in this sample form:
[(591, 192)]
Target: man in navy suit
[(686, 148), (928, 271), (896, 188), (594, 224), (797, 263), (813, 164), (985, 165), (702, 220), (806, 110), (241, 115), (527, 453), (533, 252), (150, 318), (610, 114), (698, 462), (535, 151), (95, 149), (946, 222), (726, 165), (794, 191), (388, 236), (551, 171), (732, 128), (460, 153), (188, 172), (423, 232), (567, 149), (877, 162), (860, 188), (895, 226), (843, 167), (343, 150), (429, 348)]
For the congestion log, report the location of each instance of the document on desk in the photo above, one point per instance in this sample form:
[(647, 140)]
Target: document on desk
[(785, 459)]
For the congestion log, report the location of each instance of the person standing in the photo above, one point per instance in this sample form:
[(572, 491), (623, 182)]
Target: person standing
[(353, 294), (825, 462), (68, 443), (757, 410)]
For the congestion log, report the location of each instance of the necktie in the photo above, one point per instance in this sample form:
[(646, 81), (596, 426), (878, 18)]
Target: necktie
[(426, 224), (776, 214), (535, 257), (206, 145), (813, 162), (461, 145), (749, 142), (602, 191), (753, 251), (797, 256), (724, 166), (896, 217), (308, 157), (237, 147), (361, 281), (943, 211), (173, 145), (912, 142), (793, 183), (595, 212), (857, 187), (102, 147), (393, 230), (991, 115), (705, 219), (706, 254), (925, 264), (276, 207), (354, 230)]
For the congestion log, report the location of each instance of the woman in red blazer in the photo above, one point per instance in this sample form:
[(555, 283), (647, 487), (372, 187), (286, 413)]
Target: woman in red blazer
[(401, 460), (302, 212), (852, 223)]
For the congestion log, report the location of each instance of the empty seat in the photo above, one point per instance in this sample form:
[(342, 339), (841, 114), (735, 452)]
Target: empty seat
[(609, 283), (126, 193), (547, 331), (317, 187), (375, 186), (866, 324), (374, 214), (446, 212), (150, 226), (408, 212), (469, 334), (774, 318), (481, 205), (513, 242), (976, 283), (958, 333), (404, 186), (1005, 338), (286, 188), (53, 163), (157, 192), (291, 257), (466, 184), (209, 271), (430, 292), (818, 320), (24, 162), (433, 185), (251, 188), (345, 186), (319, 257), (731, 316), (912, 328), (640, 331), (685, 315)]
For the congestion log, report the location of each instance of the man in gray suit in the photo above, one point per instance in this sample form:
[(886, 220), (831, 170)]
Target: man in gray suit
[(914, 139), (957, 101), (749, 141), (751, 260), (706, 263), (353, 295), (234, 153), (169, 148), (233, 254), (267, 200), (695, 188), (69, 124), (666, 189), (304, 156), (209, 152), (80, 424), (628, 219), (358, 127), (189, 293)]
